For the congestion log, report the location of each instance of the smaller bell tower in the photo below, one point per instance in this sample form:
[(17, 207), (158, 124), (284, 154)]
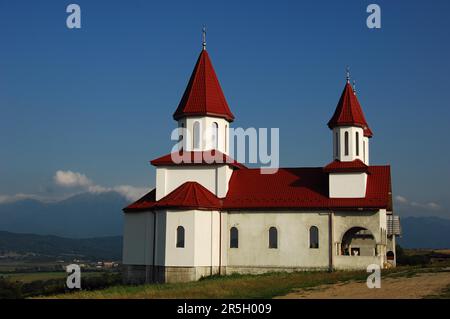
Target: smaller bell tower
[(351, 134), (349, 127)]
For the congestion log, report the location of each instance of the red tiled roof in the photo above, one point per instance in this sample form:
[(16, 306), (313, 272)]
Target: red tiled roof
[(349, 112), (289, 188), (203, 95), (190, 195), (214, 157), (302, 188), (353, 166)]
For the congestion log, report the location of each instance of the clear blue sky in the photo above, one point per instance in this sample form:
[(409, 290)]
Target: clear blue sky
[(99, 100)]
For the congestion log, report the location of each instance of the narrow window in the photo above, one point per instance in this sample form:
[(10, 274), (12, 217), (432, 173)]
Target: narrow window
[(234, 237), (273, 238), (196, 141), (364, 151), (226, 137), (346, 143), (180, 138), (180, 237), (313, 237), (215, 135), (336, 144), (357, 144)]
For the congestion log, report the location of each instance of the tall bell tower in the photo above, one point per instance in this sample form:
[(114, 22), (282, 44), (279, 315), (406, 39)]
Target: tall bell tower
[(203, 114)]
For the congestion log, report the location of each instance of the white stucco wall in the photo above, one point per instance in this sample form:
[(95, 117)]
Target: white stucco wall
[(213, 177), (347, 185), (203, 237), (356, 262), (138, 238), (293, 239), (370, 220), (180, 256), (135, 242)]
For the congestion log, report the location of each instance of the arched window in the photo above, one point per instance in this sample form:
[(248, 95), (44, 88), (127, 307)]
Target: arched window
[(313, 237), (196, 137), (180, 237), (336, 144), (215, 135), (234, 237), (273, 238), (357, 144), (346, 143)]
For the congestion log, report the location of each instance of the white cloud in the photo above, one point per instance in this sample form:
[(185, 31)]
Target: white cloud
[(434, 206), (401, 199), (404, 201), (129, 192), (71, 179), (75, 179)]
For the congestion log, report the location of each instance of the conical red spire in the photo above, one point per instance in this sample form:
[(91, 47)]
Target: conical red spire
[(203, 95), (349, 112)]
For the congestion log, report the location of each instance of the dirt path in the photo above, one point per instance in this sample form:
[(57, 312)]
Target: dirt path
[(415, 287)]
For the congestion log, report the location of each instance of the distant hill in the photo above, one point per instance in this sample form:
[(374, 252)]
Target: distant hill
[(425, 232), (81, 216), (104, 248)]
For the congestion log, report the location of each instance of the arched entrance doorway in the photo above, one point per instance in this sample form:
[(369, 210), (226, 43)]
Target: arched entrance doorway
[(358, 241), (390, 255)]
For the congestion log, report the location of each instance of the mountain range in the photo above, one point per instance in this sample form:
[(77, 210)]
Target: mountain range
[(425, 232), (81, 216), (103, 248), (99, 215)]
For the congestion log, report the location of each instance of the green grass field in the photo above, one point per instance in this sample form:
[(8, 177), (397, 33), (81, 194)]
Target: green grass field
[(234, 286), (30, 277)]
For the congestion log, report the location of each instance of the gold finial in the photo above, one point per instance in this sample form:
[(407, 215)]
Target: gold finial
[(204, 37)]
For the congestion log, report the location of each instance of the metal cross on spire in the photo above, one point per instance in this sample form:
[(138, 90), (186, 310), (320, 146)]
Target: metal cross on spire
[(204, 37), (348, 73)]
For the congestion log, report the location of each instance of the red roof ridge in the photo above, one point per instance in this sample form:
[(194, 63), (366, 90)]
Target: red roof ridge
[(349, 112), (189, 195), (346, 166), (203, 94)]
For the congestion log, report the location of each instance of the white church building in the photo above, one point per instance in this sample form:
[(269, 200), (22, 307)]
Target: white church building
[(208, 217)]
